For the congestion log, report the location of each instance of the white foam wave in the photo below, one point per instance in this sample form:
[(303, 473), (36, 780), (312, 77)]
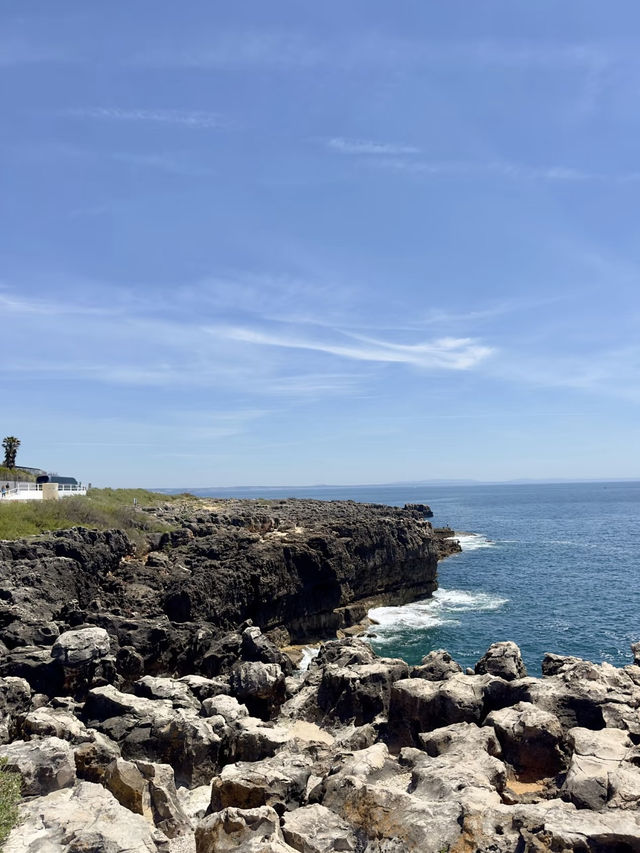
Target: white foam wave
[(442, 609), (308, 654), (473, 541)]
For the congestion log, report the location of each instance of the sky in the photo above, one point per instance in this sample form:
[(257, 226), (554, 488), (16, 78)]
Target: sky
[(292, 243)]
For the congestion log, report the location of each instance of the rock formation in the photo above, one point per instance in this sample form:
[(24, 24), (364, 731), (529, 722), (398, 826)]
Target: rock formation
[(139, 719)]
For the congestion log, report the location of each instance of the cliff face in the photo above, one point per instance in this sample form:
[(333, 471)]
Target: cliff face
[(302, 568)]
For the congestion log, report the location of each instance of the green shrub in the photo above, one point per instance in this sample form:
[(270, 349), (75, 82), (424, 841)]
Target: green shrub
[(9, 799), (8, 474), (101, 509)]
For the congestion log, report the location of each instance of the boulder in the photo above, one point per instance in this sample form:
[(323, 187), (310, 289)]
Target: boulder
[(152, 729), (129, 787), (45, 765), (81, 819), (256, 647), (595, 760), (418, 705), (503, 660), (55, 722), (279, 782), (316, 829), (176, 692), (436, 666), (531, 740), (361, 692), (260, 686), (241, 831), (15, 700), (93, 758), (81, 646), (168, 812)]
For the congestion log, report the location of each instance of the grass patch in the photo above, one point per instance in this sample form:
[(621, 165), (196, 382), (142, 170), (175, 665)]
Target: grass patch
[(9, 474), (100, 509), (9, 800)]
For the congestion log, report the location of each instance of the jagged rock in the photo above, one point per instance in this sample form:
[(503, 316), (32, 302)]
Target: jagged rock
[(255, 739), (34, 665), (129, 663), (461, 739), (635, 650), (153, 729), (316, 829), (83, 819), (559, 826), (129, 787), (195, 802), (55, 722), (475, 779), (45, 765), (177, 692), (93, 758), (595, 756), (503, 660), (279, 782), (436, 666), (241, 831), (392, 818), (418, 705), (530, 739), (260, 686), (204, 688), (359, 692), (227, 707), (75, 648), (256, 647), (168, 813), (15, 700), (588, 695)]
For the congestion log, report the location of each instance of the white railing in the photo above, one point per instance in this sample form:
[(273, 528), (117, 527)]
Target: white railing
[(33, 491)]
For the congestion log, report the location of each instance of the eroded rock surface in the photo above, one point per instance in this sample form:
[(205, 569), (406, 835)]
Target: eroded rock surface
[(139, 722)]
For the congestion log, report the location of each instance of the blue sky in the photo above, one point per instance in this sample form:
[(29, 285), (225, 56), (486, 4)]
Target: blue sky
[(293, 243)]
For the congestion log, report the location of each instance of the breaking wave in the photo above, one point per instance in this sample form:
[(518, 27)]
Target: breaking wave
[(442, 609), (473, 541)]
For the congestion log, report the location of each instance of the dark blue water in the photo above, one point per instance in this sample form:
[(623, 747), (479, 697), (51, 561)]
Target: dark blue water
[(552, 567)]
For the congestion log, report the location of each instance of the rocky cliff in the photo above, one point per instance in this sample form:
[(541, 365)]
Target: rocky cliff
[(136, 722)]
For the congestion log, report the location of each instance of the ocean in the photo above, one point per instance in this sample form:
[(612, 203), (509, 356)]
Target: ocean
[(555, 568)]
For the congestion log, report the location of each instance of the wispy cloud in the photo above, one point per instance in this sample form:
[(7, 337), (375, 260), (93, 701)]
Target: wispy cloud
[(368, 146), (187, 118), (441, 353), (291, 48), (17, 305), (499, 169)]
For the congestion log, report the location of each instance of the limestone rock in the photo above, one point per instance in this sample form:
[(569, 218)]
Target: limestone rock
[(168, 812), (279, 782), (503, 660), (316, 829), (129, 787), (592, 776), (55, 722), (260, 686), (45, 765), (360, 692), (436, 666), (154, 730), (530, 738), (15, 700), (241, 831), (75, 648), (79, 820)]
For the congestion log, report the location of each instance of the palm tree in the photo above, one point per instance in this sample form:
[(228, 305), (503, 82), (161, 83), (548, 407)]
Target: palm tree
[(10, 445)]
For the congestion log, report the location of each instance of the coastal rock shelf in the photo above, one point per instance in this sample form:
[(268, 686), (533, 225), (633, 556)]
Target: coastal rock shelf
[(301, 568), (144, 711)]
